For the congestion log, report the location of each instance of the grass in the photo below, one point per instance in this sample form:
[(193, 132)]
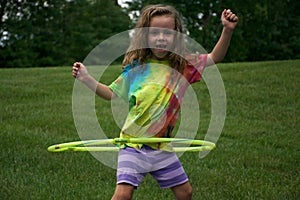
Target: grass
[(257, 155)]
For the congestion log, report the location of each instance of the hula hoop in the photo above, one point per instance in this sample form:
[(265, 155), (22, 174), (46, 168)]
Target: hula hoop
[(98, 145)]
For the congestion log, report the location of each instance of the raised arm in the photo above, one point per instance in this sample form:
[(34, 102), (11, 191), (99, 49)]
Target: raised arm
[(229, 21), (80, 72)]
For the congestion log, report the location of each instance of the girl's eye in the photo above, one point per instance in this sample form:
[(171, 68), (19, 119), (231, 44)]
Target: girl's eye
[(168, 33), (157, 32), (154, 32)]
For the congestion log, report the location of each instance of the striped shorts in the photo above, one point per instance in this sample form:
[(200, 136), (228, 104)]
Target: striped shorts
[(165, 167)]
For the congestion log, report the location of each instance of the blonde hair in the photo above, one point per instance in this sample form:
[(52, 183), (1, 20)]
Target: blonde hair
[(138, 49)]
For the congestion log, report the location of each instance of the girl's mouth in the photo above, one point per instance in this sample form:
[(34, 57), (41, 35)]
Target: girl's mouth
[(161, 47)]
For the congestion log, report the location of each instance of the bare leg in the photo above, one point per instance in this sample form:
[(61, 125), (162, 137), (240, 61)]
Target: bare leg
[(183, 192), (123, 191)]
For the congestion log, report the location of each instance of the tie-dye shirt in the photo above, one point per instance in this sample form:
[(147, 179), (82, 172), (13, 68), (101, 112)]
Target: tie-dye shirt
[(154, 92)]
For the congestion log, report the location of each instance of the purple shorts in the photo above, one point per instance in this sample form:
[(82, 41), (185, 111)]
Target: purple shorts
[(165, 167)]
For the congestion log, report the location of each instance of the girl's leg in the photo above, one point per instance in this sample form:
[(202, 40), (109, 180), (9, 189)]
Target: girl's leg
[(183, 191), (123, 191)]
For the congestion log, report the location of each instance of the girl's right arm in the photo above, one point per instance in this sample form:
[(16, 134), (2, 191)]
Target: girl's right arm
[(80, 72)]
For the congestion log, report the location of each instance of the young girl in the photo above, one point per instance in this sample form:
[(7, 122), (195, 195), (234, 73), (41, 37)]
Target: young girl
[(153, 81)]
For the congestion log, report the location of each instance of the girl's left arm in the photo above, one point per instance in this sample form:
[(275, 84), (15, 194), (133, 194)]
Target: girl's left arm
[(229, 21)]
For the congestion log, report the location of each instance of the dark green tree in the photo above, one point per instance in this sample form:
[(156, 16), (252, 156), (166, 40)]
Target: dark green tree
[(48, 33)]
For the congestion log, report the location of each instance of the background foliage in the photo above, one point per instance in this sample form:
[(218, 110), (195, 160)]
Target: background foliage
[(51, 33)]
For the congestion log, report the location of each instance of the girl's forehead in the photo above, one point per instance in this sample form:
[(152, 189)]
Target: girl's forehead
[(164, 21)]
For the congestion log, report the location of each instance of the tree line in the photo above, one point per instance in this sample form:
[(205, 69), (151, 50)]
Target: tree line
[(52, 33)]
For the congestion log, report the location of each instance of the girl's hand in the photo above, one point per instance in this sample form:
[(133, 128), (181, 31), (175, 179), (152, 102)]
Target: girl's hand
[(79, 71), (229, 19)]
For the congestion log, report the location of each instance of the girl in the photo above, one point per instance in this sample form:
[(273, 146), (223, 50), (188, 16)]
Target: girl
[(157, 69)]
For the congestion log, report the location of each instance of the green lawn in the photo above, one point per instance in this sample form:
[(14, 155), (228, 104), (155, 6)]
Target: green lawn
[(257, 155)]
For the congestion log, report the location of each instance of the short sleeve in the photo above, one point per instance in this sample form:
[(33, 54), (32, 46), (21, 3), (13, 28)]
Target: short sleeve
[(121, 85), (195, 67)]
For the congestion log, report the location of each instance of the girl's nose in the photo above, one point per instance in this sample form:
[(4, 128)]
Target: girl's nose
[(161, 36)]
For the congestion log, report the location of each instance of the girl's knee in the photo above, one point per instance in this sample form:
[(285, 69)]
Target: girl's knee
[(189, 192), (184, 191), (123, 192)]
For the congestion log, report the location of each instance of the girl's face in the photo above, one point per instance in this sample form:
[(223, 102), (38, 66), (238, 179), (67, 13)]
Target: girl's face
[(161, 36)]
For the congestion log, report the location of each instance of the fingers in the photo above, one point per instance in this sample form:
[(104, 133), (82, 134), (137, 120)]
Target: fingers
[(230, 16), (76, 67)]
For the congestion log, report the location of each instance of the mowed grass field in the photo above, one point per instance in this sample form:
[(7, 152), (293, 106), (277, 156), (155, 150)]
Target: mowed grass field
[(257, 154)]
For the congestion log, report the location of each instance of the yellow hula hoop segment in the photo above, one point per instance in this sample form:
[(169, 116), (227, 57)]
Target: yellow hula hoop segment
[(98, 145)]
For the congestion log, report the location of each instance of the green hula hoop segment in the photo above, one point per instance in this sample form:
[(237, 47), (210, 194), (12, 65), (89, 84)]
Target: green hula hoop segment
[(99, 145)]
